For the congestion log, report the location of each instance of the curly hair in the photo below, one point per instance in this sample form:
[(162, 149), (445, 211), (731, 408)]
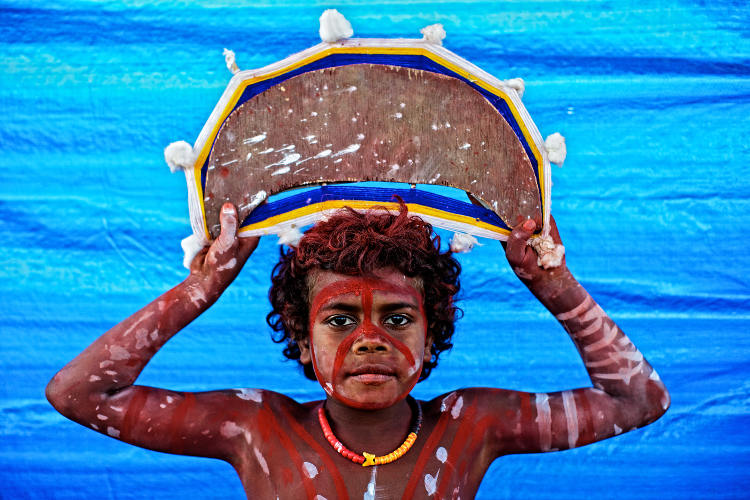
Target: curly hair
[(355, 243)]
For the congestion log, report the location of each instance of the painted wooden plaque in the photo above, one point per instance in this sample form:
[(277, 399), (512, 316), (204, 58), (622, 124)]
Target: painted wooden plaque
[(394, 111)]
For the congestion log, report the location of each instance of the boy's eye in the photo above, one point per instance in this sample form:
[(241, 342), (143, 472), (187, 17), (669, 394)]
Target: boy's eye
[(339, 321), (397, 320)]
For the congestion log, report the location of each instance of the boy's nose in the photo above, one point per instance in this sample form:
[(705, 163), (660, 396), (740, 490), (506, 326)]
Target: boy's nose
[(370, 341)]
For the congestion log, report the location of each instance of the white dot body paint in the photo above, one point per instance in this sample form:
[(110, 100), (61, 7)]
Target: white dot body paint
[(571, 417), (320, 497), (430, 483), (118, 353), (310, 470), (618, 431), (113, 432), (94, 378), (260, 459), (102, 417), (441, 454), (142, 340), (544, 421), (230, 429), (170, 399), (106, 363), (250, 395), (457, 406)]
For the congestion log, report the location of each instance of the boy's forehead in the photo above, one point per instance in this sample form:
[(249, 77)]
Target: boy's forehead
[(388, 280)]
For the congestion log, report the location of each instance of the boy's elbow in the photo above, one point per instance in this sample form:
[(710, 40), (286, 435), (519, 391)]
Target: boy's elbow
[(657, 400), (55, 395), (61, 398)]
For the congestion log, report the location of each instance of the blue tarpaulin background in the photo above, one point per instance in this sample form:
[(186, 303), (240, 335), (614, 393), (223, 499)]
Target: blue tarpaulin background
[(652, 204)]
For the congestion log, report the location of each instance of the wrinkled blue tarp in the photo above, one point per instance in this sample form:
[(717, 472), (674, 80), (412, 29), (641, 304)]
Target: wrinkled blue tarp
[(652, 203)]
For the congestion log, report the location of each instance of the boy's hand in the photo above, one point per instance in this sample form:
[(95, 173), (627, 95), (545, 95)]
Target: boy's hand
[(216, 266), (523, 259)]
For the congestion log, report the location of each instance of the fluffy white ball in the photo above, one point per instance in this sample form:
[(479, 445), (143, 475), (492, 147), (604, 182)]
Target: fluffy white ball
[(334, 26), (556, 150), (549, 254), (290, 236), (179, 156), (433, 33), (518, 85), (462, 243)]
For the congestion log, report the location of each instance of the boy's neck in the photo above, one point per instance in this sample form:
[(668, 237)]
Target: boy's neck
[(374, 431)]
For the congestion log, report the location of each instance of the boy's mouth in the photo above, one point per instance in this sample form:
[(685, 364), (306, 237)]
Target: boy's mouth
[(372, 374)]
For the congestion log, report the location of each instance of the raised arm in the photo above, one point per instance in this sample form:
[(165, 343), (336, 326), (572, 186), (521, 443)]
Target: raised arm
[(627, 393), (96, 388)]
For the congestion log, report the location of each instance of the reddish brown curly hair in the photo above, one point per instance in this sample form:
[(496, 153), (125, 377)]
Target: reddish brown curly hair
[(355, 243)]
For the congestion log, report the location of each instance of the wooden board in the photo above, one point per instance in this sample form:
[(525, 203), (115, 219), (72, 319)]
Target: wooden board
[(370, 122)]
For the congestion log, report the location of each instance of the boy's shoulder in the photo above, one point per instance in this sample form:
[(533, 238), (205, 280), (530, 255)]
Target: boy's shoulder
[(477, 401)]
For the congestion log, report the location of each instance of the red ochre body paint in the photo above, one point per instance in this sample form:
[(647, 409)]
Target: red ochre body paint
[(365, 289)]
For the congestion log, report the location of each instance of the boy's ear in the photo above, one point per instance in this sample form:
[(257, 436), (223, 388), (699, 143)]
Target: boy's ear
[(304, 351), (427, 349)]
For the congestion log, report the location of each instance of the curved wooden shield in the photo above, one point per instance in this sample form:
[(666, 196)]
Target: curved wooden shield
[(328, 117)]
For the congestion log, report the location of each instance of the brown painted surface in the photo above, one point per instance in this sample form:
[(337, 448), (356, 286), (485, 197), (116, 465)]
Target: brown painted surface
[(370, 122)]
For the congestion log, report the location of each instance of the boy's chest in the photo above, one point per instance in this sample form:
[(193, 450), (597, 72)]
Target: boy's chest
[(448, 460)]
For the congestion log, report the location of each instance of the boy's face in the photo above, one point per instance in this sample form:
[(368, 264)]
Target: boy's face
[(367, 338)]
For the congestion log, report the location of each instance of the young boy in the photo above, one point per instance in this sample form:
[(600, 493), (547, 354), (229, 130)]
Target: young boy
[(365, 303)]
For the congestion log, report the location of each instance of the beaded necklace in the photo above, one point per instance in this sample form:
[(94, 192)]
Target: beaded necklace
[(367, 459)]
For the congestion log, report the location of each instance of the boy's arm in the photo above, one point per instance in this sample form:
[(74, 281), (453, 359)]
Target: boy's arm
[(627, 392), (96, 388)]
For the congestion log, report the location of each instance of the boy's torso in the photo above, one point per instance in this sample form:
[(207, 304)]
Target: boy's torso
[(282, 453)]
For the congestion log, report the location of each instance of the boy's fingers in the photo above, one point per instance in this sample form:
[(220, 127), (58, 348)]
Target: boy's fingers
[(228, 234), (197, 263), (247, 246), (517, 243)]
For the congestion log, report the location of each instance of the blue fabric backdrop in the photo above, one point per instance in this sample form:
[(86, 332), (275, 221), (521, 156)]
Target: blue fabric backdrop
[(652, 203)]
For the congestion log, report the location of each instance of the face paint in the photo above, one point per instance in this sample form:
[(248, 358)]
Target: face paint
[(341, 384)]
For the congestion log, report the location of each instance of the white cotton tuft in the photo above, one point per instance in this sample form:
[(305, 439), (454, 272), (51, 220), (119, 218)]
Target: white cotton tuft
[(518, 85), (230, 60), (179, 156), (556, 150), (290, 236), (549, 254), (433, 33), (334, 26), (191, 246), (463, 243)]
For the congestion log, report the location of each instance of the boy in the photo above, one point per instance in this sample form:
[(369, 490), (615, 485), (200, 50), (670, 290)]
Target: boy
[(365, 304)]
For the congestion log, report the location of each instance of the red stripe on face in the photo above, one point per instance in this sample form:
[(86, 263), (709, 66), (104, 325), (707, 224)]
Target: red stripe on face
[(365, 289)]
